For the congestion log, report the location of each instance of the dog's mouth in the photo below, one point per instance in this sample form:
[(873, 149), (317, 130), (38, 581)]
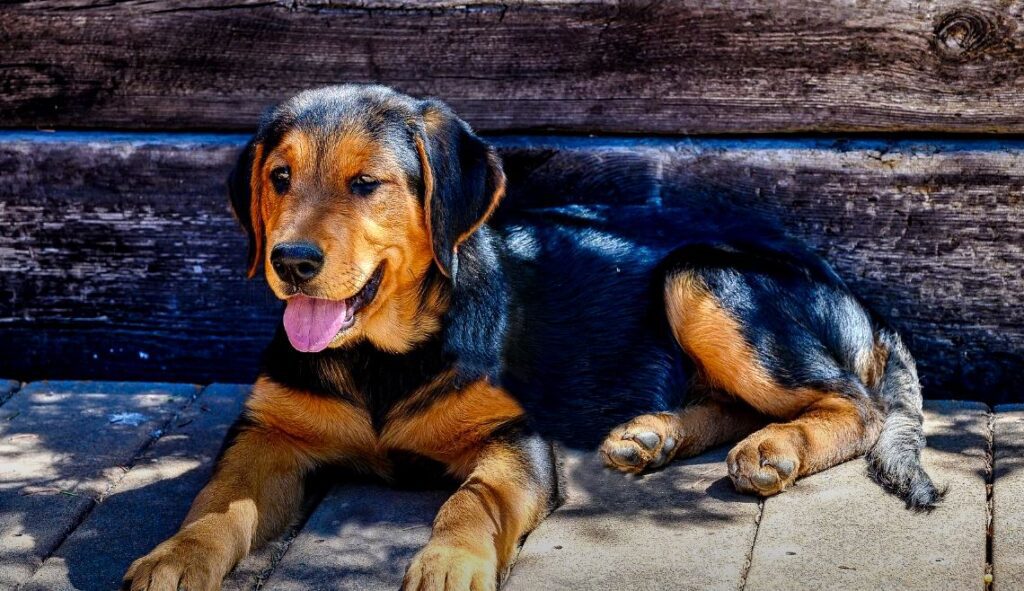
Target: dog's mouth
[(313, 323)]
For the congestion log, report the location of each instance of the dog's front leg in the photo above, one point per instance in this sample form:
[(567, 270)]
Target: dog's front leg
[(256, 488), (255, 491), (512, 486)]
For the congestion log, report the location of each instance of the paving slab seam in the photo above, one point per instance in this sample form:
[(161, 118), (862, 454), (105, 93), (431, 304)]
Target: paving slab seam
[(307, 511), (1007, 525), (155, 435), (5, 396), (989, 496), (266, 573), (753, 544)]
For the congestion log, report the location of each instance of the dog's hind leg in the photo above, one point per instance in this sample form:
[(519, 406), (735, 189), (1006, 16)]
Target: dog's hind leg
[(828, 432), (751, 335)]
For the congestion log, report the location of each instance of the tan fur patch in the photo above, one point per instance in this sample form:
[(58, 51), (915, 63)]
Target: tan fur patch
[(711, 422), (714, 340), (453, 429), (323, 428), (871, 365), (494, 507), (833, 430)]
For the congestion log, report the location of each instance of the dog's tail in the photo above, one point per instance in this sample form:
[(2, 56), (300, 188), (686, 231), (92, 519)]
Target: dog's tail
[(895, 460)]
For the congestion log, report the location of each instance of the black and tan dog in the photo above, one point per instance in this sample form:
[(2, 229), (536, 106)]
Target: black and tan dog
[(418, 330)]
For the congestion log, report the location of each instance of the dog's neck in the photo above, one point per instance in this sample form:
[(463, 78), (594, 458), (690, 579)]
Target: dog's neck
[(413, 313), (475, 325)]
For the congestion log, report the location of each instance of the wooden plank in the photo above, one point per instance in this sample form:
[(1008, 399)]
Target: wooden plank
[(1007, 492), (147, 505), (360, 537), (621, 532), (123, 259), (839, 530), (62, 446), (148, 212), (576, 65)]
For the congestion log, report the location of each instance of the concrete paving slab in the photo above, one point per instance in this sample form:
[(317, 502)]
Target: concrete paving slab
[(360, 537), (148, 504), (683, 525), (62, 445), (680, 528), (839, 530), (1007, 496)]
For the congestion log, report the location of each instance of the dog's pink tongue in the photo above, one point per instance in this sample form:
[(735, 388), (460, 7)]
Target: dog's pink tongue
[(312, 323)]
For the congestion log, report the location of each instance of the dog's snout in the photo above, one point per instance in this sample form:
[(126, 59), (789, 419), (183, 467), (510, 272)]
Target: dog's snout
[(296, 262)]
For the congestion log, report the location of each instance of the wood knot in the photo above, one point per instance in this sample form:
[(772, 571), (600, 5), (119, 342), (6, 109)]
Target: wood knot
[(964, 32)]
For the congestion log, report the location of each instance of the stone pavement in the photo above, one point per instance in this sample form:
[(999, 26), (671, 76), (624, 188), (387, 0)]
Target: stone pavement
[(93, 474)]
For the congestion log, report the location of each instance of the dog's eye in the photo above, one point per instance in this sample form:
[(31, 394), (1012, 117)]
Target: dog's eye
[(363, 185), (281, 178)]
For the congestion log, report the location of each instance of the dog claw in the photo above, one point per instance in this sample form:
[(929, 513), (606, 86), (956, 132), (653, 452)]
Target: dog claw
[(784, 466)]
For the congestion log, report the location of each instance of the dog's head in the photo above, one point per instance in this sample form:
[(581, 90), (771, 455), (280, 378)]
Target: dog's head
[(350, 196)]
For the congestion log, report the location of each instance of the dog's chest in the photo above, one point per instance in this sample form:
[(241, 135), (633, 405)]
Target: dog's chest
[(448, 427)]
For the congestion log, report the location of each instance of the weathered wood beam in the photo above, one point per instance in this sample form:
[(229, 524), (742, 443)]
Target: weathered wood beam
[(585, 66), (119, 257)]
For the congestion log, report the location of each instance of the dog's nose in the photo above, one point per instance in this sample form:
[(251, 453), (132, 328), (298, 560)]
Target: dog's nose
[(296, 262)]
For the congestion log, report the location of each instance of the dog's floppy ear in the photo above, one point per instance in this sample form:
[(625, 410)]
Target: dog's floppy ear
[(244, 190), (463, 181)]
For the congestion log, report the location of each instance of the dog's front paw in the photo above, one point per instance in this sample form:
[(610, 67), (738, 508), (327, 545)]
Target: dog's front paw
[(448, 568), (182, 562)]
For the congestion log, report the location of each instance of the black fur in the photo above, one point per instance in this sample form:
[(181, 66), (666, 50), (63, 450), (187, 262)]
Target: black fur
[(466, 176), (240, 194)]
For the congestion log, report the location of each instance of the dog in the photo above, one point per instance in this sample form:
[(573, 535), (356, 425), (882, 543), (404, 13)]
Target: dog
[(422, 328)]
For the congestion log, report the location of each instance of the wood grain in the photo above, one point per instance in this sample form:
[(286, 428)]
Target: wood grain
[(119, 257), (620, 66)]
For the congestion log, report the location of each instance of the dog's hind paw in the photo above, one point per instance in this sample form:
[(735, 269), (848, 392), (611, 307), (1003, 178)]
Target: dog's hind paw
[(764, 463), (644, 443)]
